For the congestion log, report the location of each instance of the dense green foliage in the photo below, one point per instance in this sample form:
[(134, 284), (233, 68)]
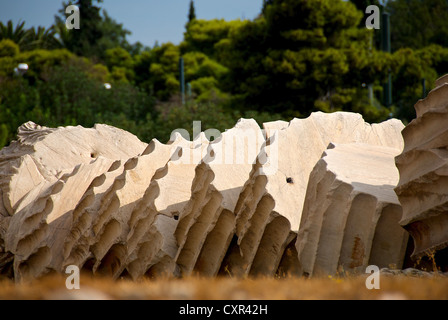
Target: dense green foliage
[(418, 23), (296, 57)]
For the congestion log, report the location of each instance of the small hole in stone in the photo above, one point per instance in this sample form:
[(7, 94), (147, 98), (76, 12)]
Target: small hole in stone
[(176, 217), (92, 155), (289, 180)]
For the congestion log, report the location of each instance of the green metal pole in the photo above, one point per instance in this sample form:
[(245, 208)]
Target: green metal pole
[(423, 88), (385, 43), (182, 79), (189, 90), (385, 37)]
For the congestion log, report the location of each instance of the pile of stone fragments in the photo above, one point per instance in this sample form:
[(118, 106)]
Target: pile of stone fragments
[(316, 196)]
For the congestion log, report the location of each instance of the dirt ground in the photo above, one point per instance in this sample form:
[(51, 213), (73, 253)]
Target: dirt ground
[(194, 288)]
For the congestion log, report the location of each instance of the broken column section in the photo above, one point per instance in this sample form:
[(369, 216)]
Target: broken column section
[(423, 167), (45, 154), (207, 223), (270, 205), (351, 212)]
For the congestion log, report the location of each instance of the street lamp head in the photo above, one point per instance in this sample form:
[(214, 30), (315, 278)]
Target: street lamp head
[(21, 69)]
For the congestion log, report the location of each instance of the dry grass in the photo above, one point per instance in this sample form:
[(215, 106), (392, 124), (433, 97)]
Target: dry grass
[(391, 287)]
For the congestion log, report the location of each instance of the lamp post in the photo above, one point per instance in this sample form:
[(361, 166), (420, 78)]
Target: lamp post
[(182, 79), (189, 90), (21, 69), (423, 88), (385, 39)]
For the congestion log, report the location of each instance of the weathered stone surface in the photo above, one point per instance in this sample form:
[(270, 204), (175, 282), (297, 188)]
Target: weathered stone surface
[(37, 231), (117, 206), (423, 167), (442, 80), (270, 205), (88, 213), (45, 154), (125, 234), (77, 244), (351, 212), (301, 145), (207, 223), (177, 177), (166, 196)]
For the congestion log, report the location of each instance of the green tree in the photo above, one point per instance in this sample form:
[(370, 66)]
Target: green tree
[(113, 35), (29, 39), (157, 71), (265, 4), (174, 115), (41, 38), (62, 34), (204, 35), (418, 23), (191, 12), (74, 93), (163, 76), (302, 56), (98, 33), (363, 4), (62, 89), (409, 68), (17, 33), (205, 75), (84, 41), (120, 63), (8, 48)]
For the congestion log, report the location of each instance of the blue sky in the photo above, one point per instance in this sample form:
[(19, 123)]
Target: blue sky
[(148, 20)]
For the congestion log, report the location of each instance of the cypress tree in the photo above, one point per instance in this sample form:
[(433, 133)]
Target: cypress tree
[(191, 13)]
